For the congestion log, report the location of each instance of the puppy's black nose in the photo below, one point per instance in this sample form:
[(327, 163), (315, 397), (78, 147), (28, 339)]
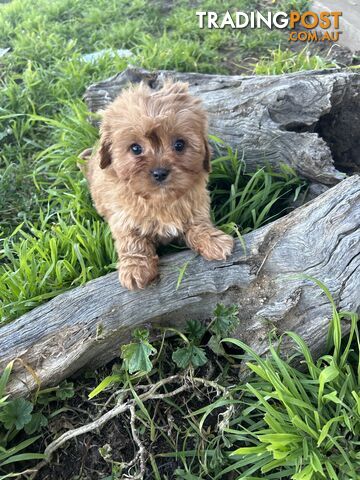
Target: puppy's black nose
[(160, 174)]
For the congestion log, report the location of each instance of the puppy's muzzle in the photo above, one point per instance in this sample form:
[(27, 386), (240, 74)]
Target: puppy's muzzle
[(160, 174)]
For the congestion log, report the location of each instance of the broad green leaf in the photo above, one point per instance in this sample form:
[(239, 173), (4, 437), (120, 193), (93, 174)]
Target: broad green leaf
[(189, 355), (16, 413), (136, 356), (141, 334), (37, 421), (226, 319), (195, 330), (65, 390)]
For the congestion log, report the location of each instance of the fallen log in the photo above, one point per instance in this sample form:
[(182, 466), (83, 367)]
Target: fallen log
[(86, 326), (307, 120)]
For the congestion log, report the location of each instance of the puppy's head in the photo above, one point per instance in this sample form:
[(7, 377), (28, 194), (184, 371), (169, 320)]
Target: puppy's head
[(156, 141)]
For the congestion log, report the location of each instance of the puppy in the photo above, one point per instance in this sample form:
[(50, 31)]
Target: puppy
[(148, 178)]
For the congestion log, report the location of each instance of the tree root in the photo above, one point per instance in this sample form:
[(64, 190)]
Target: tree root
[(188, 382)]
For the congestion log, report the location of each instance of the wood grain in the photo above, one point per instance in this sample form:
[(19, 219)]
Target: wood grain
[(307, 120)]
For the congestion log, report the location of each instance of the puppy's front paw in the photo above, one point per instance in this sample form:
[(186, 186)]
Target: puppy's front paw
[(137, 273), (218, 246)]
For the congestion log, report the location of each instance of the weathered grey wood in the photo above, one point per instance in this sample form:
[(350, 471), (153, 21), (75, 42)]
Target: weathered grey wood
[(287, 119), (86, 325)]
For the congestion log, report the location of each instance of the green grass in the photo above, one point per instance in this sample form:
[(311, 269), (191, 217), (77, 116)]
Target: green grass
[(310, 421), (245, 201), (286, 61)]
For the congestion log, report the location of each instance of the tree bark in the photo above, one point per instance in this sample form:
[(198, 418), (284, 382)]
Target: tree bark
[(86, 326), (307, 120)]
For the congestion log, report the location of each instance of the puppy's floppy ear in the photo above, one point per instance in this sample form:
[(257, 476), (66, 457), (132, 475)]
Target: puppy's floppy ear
[(105, 152), (207, 157)]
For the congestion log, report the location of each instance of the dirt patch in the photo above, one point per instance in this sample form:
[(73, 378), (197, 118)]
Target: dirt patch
[(81, 458), (106, 452)]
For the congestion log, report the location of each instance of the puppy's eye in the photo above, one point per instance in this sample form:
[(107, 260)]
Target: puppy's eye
[(179, 145), (136, 149)]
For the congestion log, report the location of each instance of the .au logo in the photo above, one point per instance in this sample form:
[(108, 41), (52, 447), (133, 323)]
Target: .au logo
[(308, 26)]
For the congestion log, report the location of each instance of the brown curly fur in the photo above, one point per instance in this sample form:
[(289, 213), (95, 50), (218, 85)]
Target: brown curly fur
[(142, 213)]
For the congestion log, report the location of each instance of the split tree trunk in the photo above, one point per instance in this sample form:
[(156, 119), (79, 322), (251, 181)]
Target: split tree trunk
[(86, 326), (307, 120)]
